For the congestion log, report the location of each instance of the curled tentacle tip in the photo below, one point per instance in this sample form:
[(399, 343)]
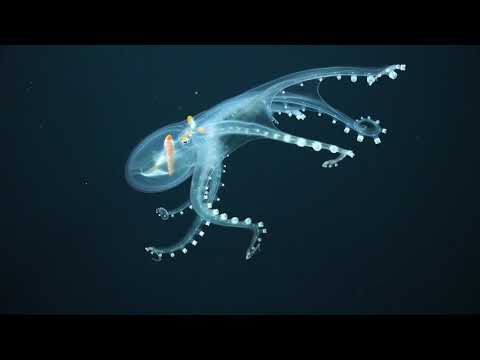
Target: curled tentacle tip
[(151, 250), (251, 252), (162, 212)]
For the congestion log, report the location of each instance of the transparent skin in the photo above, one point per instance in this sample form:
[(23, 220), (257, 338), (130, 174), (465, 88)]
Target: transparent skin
[(197, 148)]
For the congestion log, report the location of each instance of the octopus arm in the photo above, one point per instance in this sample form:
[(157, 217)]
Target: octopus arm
[(212, 184), (166, 214), (205, 210), (272, 88), (257, 131), (170, 249), (293, 104)]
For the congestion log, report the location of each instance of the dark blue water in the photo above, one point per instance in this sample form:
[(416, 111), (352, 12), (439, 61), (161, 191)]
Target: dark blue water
[(389, 232)]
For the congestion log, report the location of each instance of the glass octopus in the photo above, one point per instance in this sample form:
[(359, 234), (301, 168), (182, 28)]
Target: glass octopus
[(198, 147)]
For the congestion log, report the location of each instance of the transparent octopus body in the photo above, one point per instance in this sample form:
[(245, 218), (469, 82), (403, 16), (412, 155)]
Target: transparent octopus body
[(198, 147)]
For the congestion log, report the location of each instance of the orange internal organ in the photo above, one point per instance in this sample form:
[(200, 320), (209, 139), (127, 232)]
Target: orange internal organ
[(169, 147)]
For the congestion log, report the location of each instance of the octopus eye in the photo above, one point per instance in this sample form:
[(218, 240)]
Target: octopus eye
[(184, 139)]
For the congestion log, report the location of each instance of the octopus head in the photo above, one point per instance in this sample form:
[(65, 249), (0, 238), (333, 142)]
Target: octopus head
[(162, 161)]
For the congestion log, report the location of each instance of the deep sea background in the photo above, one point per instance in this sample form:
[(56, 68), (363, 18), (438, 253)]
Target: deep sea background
[(389, 232)]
